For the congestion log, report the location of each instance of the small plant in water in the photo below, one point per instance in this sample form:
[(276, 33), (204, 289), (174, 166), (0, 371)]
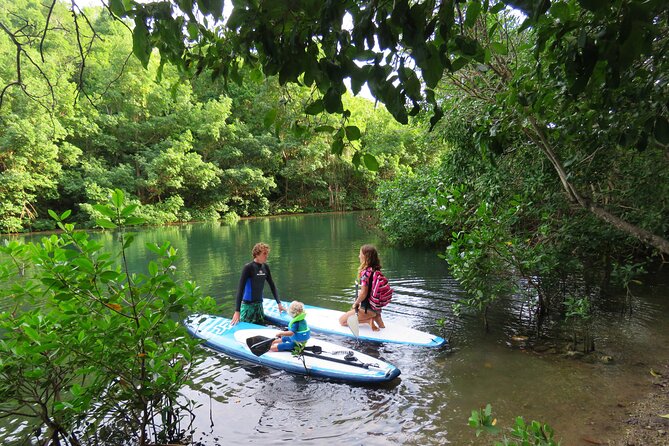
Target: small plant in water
[(483, 421), (522, 434), (578, 314)]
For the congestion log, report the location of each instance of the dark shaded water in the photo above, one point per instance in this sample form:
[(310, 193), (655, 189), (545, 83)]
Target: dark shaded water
[(314, 259)]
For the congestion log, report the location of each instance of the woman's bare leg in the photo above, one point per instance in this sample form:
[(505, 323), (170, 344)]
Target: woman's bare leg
[(343, 319), (368, 317)]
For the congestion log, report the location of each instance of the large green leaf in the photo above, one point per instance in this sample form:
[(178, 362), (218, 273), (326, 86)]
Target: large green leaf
[(104, 223), (117, 7), (315, 107), (337, 146), (105, 210), (473, 12), (370, 162), (352, 133), (661, 130), (213, 7), (141, 45), (332, 101)]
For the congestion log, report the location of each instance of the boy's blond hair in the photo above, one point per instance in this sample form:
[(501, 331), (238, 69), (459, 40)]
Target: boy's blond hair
[(295, 308), (259, 248)]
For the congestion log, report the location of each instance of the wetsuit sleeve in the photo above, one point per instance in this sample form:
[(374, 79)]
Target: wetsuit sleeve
[(247, 273), (271, 284)]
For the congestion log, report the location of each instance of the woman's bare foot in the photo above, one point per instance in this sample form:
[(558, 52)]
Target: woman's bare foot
[(379, 322), (373, 325)]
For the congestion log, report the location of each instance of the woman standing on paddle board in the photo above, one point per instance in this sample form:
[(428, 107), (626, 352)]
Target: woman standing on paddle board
[(369, 262), (248, 306)]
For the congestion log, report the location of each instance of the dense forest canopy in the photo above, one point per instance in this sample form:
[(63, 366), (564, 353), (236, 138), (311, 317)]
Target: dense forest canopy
[(82, 117)]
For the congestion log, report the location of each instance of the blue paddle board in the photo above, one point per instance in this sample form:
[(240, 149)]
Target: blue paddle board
[(333, 362), (327, 321)]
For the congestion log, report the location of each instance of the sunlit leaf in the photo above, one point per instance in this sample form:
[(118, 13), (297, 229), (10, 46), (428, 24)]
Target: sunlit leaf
[(104, 223), (129, 210), (117, 198), (105, 210)]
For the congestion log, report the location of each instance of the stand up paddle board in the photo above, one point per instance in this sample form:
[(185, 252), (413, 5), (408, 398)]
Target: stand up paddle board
[(327, 321), (321, 359)]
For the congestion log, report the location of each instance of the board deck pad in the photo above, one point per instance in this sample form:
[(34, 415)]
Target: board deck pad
[(219, 333), (327, 321)]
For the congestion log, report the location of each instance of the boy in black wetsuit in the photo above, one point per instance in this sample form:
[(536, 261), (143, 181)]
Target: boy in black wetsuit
[(249, 306)]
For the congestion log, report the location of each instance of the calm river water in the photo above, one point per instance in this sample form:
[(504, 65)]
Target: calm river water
[(314, 259)]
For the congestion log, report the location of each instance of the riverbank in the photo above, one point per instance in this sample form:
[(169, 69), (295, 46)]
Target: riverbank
[(646, 421)]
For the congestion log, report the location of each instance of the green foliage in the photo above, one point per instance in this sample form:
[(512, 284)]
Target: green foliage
[(578, 313), (480, 255), (522, 434), (88, 343), (512, 220), (577, 308), (483, 421), (404, 207), (181, 148)]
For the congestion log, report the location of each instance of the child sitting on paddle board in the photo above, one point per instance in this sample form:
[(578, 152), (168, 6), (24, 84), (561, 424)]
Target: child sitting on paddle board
[(298, 332), (369, 262)]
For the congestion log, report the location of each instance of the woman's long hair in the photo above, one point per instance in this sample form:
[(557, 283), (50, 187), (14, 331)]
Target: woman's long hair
[(371, 258)]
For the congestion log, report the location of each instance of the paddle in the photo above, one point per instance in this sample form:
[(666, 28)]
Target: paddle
[(259, 345), (340, 361), (352, 321)]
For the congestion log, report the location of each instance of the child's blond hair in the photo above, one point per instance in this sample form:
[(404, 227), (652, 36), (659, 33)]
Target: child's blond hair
[(295, 308)]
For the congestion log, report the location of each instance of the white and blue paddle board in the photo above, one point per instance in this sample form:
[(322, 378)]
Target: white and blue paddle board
[(327, 321), (334, 362)]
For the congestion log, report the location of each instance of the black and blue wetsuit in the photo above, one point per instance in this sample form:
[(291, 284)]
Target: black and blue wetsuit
[(252, 282)]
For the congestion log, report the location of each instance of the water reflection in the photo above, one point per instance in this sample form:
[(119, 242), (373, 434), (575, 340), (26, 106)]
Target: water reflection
[(314, 259)]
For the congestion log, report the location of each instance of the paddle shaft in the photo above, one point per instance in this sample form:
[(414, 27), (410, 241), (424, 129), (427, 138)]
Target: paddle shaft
[(341, 361), (266, 341)]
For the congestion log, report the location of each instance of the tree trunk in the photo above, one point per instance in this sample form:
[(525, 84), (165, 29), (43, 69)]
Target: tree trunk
[(646, 237)]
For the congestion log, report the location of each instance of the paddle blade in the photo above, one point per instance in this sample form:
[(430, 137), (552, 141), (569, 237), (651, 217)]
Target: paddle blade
[(352, 322), (259, 345)]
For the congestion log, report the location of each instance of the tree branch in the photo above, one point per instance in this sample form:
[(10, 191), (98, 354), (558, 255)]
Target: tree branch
[(646, 237)]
